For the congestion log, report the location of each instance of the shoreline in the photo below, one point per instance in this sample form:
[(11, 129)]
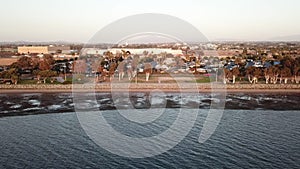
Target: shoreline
[(152, 87)]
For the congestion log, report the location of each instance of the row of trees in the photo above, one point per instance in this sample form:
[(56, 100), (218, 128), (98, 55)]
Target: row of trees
[(41, 68), (289, 69), (44, 68)]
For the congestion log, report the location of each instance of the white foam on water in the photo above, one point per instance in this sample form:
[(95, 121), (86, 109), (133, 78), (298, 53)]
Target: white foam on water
[(8, 103), (105, 100), (157, 100), (31, 94), (87, 106), (15, 106), (141, 99), (244, 97), (228, 100), (5, 112), (92, 101), (32, 109), (54, 107), (139, 104), (215, 100), (140, 95), (34, 102)]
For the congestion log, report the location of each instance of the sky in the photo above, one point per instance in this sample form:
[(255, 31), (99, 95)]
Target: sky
[(79, 20)]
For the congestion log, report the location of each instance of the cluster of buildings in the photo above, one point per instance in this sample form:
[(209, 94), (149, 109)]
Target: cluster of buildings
[(202, 58)]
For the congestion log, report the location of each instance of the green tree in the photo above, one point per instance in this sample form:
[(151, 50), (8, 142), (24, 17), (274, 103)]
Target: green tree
[(235, 73), (11, 74), (24, 62), (45, 74), (285, 73), (47, 62), (253, 74), (227, 75)]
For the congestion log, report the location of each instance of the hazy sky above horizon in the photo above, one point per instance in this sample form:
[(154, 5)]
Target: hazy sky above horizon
[(79, 20)]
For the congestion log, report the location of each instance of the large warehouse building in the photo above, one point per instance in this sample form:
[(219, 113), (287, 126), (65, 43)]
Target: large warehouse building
[(44, 49)]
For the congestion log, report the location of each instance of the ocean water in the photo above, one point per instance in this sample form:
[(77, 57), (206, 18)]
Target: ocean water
[(14, 104), (256, 131)]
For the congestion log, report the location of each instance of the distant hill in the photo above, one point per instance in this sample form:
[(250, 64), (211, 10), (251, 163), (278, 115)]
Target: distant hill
[(227, 40), (286, 38), (39, 43)]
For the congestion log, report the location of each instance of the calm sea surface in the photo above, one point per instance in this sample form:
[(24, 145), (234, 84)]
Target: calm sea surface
[(256, 131)]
